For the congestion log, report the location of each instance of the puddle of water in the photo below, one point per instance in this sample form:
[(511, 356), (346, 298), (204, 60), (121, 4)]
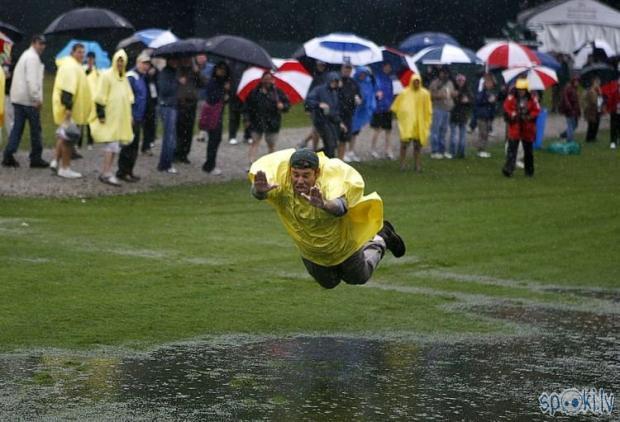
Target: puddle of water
[(338, 378)]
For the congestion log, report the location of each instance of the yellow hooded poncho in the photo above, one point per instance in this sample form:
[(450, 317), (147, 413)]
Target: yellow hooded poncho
[(115, 94), (321, 237), (70, 77), (414, 111)]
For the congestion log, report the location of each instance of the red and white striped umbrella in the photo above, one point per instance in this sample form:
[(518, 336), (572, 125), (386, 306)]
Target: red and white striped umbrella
[(291, 77), (539, 77), (507, 54)]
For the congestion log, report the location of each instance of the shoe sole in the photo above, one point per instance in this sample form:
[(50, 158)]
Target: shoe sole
[(399, 249)]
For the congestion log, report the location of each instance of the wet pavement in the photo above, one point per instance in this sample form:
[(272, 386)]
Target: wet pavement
[(327, 378)]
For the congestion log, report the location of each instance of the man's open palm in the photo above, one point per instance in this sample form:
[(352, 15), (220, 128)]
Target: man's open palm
[(261, 185), (315, 198)]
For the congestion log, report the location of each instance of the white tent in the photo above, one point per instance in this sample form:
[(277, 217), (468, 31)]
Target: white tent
[(565, 25)]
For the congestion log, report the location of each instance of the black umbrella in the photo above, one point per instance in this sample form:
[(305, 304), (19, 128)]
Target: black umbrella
[(78, 22), (239, 49), (10, 31), (182, 48), (603, 71)]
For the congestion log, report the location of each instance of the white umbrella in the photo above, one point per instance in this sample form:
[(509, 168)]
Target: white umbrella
[(446, 54), (338, 48), (164, 38), (539, 77)]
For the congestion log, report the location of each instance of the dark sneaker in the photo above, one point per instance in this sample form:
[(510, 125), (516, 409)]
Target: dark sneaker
[(126, 178), (393, 241), (10, 162), (76, 156), (39, 164)]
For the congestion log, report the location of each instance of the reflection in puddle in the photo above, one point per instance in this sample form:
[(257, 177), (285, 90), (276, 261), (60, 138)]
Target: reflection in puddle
[(327, 377)]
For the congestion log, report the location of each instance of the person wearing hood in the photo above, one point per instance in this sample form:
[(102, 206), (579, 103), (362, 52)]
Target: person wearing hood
[(139, 86), (71, 103), (414, 111), (324, 104), (92, 76), (364, 111), (382, 117), (521, 109), (112, 124)]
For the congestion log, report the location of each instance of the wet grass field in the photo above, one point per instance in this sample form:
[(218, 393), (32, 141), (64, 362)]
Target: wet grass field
[(91, 288)]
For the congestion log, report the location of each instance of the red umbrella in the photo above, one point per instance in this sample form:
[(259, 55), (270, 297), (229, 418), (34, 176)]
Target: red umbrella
[(507, 54), (291, 77)]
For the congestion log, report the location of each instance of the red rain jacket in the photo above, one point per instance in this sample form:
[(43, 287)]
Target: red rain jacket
[(521, 127)]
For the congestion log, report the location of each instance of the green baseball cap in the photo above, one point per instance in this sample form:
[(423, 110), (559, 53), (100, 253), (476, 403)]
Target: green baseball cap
[(304, 159)]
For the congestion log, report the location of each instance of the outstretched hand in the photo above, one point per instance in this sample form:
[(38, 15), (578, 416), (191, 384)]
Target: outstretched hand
[(315, 198), (261, 185)]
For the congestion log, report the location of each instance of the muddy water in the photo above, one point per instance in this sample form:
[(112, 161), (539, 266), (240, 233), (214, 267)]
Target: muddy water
[(326, 378)]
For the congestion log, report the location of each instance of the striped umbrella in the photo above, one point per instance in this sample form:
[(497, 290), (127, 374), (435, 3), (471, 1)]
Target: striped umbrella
[(538, 77), (446, 54), (507, 54), (291, 77)]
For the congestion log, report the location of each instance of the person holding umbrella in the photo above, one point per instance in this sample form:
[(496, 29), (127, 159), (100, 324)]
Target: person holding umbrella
[(521, 109), (211, 116), (463, 103), (92, 75), (350, 98), (167, 87), (612, 92), (264, 107), (324, 104), (442, 94), (112, 126), (27, 100), (593, 108), (570, 108), (71, 103)]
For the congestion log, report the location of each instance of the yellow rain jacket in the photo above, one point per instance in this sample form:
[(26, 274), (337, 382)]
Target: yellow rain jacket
[(414, 111), (70, 77), (115, 94), (2, 82), (321, 237)]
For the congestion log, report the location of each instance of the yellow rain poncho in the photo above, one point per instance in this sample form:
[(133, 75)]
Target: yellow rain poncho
[(70, 77), (115, 94), (414, 111), (321, 237), (2, 84)]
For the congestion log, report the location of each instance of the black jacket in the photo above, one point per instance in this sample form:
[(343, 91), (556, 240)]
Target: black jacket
[(262, 109)]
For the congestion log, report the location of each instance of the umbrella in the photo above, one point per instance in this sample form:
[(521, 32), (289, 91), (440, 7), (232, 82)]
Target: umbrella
[(291, 77), (12, 32), (422, 40), (446, 54), (239, 49), (603, 71), (182, 48), (148, 38), (538, 77), (548, 60), (338, 48), (600, 49), (102, 59), (79, 21), (507, 54)]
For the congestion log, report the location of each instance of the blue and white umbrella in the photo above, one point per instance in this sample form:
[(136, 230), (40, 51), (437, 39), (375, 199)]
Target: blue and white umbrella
[(447, 54), (150, 38), (102, 59), (418, 42), (338, 48)]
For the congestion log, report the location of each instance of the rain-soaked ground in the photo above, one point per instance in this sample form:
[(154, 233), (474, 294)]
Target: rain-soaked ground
[(329, 378)]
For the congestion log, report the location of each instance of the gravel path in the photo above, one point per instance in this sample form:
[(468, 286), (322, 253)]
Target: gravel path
[(232, 159)]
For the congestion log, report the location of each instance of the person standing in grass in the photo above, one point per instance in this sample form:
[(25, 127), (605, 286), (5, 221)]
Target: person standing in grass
[(218, 94), (414, 111), (463, 102), (611, 91), (112, 126), (521, 109), (569, 107), (364, 111), (593, 108), (167, 87), (382, 117), (442, 95), (349, 98), (325, 105), (264, 107), (339, 231), (486, 101), (71, 103)]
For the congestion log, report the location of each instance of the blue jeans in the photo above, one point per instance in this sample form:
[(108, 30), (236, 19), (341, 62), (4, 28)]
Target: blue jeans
[(169, 142), (457, 147), (571, 125), (441, 120), (23, 113)]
